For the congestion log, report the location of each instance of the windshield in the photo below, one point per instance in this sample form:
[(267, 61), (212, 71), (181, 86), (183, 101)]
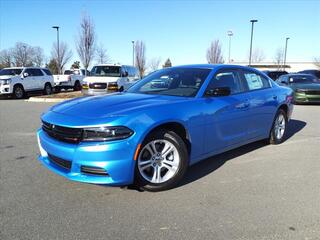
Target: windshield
[(303, 79), (106, 71), (11, 71), (184, 82)]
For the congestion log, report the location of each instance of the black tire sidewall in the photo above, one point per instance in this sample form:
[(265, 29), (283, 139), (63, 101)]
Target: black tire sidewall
[(15, 89), (273, 139), (176, 140), (45, 89)]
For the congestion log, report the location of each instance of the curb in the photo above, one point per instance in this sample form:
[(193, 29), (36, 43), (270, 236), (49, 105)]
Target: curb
[(48, 100)]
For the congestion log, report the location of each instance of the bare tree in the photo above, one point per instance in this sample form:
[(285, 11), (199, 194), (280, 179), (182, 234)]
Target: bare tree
[(64, 55), (102, 54), (22, 55), (140, 50), (257, 55), (38, 57), (86, 41), (5, 58), (154, 64), (317, 61), (278, 57), (214, 53)]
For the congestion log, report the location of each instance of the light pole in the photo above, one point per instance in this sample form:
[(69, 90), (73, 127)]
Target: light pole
[(230, 34), (132, 53), (58, 45), (285, 54), (252, 23)]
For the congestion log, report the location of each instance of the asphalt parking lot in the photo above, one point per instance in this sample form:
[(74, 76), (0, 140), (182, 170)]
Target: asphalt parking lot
[(255, 192)]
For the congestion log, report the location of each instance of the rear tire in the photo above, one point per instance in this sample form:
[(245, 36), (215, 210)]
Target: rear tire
[(47, 89), (77, 86), (279, 128), (18, 92), (162, 161)]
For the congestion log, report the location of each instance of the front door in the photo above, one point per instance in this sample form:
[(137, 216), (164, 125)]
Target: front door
[(227, 116)]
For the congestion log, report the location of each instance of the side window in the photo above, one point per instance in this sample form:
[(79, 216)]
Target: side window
[(255, 81), (29, 71), (37, 72), (226, 78), (47, 72)]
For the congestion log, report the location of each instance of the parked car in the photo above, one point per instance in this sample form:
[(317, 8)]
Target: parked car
[(274, 75), (71, 79), (109, 78), (306, 87), (149, 136), (314, 72), (21, 80)]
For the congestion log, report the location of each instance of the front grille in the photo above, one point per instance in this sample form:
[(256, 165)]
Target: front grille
[(98, 85), (60, 162), (65, 134), (94, 170), (312, 92)]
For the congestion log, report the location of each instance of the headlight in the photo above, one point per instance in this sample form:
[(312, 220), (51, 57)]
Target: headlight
[(6, 81), (106, 133)]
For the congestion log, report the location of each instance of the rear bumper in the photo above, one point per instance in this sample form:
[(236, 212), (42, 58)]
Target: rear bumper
[(115, 158)]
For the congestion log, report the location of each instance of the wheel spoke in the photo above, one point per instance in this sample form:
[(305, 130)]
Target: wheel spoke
[(150, 150), (156, 174), (166, 150)]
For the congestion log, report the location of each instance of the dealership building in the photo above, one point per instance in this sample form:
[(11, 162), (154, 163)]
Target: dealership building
[(290, 66)]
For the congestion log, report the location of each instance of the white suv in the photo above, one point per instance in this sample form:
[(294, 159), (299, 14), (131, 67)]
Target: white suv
[(18, 81)]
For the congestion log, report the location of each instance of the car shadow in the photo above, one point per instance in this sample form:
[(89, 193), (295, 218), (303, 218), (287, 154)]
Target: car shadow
[(209, 165)]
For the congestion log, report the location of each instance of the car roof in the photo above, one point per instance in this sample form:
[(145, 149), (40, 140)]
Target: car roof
[(214, 66)]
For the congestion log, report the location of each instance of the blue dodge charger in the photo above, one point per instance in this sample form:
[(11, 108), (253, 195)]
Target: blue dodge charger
[(173, 118)]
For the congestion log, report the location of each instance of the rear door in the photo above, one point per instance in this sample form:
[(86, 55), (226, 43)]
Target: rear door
[(39, 78), (263, 103), (227, 116)]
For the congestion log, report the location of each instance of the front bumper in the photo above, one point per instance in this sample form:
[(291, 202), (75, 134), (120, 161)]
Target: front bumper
[(306, 98), (5, 89), (116, 158)]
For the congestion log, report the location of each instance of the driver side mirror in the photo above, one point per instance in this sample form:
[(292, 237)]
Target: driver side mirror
[(218, 92), (25, 74), (125, 74)]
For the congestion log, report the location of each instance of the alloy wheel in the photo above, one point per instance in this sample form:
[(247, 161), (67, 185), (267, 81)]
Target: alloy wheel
[(280, 126), (158, 161)]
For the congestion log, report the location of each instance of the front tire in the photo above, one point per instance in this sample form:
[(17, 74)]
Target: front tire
[(279, 127), (162, 161), (18, 92)]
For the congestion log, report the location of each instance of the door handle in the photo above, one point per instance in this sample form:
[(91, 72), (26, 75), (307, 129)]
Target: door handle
[(243, 105), (275, 97)]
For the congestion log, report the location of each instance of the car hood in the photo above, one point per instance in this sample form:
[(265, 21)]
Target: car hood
[(100, 79), (113, 105), (313, 86), (6, 76)]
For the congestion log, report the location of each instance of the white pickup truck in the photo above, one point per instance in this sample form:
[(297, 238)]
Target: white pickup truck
[(70, 79)]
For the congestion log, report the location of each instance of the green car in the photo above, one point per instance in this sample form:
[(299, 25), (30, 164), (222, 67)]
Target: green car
[(306, 87)]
